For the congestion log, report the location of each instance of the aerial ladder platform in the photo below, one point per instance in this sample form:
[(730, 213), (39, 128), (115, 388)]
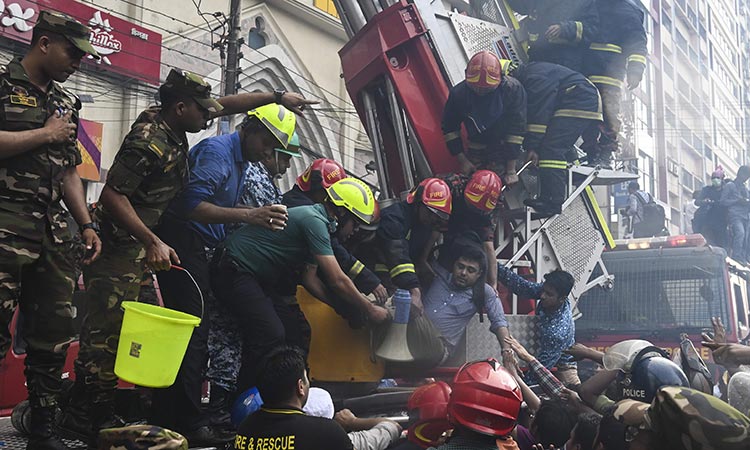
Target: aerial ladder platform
[(399, 64)]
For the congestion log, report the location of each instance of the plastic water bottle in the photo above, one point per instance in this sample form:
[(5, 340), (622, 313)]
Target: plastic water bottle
[(402, 302)]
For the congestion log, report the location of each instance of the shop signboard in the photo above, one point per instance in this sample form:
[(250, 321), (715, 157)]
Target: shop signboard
[(126, 48)]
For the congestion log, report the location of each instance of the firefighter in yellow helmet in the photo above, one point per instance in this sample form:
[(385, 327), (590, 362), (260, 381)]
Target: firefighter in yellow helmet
[(253, 258)]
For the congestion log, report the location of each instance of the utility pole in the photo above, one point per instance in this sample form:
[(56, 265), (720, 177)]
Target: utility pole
[(231, 75)]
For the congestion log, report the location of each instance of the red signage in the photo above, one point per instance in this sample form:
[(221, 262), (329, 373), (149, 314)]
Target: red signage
[(126, 48)]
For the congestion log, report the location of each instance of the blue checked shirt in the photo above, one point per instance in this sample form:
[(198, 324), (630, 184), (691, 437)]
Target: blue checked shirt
[(556, 328)]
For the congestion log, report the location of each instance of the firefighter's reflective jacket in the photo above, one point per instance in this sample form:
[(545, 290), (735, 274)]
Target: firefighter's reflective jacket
[(620, 45), (555, 91), (578, 21), (494, 122)]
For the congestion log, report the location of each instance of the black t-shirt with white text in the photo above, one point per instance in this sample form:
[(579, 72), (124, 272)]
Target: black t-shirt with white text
[(286, 428)]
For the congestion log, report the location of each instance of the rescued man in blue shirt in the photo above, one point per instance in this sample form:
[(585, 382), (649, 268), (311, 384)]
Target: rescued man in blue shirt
[(556, 329), (454, 297)]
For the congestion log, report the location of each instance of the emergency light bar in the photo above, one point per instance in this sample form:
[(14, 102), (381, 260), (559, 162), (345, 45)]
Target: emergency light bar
[(682, 240)]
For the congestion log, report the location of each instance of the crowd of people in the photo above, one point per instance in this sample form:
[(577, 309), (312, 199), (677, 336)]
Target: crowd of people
[(216, 214), (638, 399)]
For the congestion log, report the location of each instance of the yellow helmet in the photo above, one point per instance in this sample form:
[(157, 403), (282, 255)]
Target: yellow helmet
[(354, 195), (278, 120)]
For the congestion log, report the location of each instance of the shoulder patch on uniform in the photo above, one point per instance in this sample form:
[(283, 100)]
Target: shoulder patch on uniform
[(23, 100)]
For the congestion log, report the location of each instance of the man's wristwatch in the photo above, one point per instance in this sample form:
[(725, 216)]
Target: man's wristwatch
[(278, 94), (90, 226)]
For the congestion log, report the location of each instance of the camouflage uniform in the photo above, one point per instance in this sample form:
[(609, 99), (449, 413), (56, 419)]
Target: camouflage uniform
[(684, 418), (141, 437), (150, 168), (37, 252)]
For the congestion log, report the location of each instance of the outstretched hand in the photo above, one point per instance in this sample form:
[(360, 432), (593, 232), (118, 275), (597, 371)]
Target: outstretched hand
[(296, 102)]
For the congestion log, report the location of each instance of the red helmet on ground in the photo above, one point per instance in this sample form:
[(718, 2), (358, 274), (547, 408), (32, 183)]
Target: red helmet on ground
[(483, 190), (485, 399), (321, 174), (429, 406), (435, 194), (484, 72)]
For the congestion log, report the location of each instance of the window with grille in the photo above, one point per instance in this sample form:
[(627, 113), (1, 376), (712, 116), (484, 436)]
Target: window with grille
[(658, 291)]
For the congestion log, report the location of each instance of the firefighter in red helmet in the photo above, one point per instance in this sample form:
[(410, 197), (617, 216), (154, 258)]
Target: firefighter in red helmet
[(475, 201), (492, 109), (483, 407), (428, 414), (396, 247)]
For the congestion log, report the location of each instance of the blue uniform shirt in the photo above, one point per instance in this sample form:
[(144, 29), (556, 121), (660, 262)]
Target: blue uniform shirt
[(217, 175)]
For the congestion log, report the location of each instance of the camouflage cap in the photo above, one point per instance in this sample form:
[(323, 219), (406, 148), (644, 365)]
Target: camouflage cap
[(141, 437), (76, 32), (687, 418), (194, 86)]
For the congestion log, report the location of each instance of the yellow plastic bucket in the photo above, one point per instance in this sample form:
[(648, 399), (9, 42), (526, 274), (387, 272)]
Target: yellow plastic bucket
[(152, 344)]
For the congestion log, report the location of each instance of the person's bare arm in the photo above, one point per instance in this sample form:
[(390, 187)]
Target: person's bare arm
[(207, 212), (729, 354), (350, 422), (75, 200), (502, 333), (241, 103), (594, 386), (341, 285), (57, 129), (159, 256), (314, 285), (532, 400), (579, 351)]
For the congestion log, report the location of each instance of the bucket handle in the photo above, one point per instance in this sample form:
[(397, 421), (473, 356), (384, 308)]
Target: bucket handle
[(195, 283)]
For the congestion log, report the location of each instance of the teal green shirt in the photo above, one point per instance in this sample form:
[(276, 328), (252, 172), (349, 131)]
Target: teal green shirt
[(268, 254)]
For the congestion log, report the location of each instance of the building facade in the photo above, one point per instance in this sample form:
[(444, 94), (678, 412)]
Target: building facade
[(689, 115)]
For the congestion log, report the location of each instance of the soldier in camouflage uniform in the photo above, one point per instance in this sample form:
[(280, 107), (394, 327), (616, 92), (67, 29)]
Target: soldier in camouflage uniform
[(148, 171), (38, 255)]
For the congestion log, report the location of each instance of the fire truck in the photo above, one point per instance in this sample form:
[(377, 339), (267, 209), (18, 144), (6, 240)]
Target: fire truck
[(666, 287)]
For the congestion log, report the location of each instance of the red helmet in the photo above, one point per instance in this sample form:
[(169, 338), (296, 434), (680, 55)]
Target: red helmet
[(429, 405), (321, 174), (486, 398), (483, 190), (484, 72), (435, 194)]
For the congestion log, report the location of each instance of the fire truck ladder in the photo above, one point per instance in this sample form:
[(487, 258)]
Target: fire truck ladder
[(398, 65)]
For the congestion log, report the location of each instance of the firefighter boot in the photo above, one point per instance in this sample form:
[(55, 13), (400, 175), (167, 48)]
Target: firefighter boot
[(551, 191), (42, 435)]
